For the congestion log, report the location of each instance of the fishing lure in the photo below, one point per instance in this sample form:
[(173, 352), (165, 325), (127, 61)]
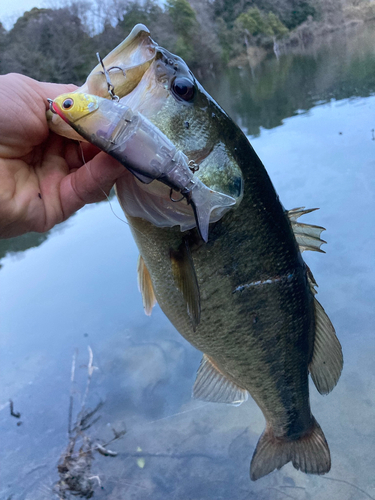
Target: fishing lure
[(142, 148)]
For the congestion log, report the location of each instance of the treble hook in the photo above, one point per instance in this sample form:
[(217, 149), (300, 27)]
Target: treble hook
[(50, 102), (170, 197), (110, 85)]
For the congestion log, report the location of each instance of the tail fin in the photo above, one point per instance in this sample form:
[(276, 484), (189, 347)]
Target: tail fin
[(204, 200), (309, 453)]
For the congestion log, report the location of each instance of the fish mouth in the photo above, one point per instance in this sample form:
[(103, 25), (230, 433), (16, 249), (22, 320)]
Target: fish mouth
[(125, 65)]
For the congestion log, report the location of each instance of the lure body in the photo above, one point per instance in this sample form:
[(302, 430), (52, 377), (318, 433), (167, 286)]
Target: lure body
[(142, 148)]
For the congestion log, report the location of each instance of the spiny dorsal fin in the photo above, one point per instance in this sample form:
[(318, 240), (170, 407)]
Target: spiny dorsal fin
[(145, 286), (212, 385), (186, 280), (307, 235), (296, 213), (327, 361)]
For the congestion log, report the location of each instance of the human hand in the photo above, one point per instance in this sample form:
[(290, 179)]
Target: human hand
[(43, 178)]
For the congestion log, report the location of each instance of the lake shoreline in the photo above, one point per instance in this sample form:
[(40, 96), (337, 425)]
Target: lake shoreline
[(310, 33)]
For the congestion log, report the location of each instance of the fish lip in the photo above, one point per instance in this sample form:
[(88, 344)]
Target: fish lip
[(138, 28), (132, 57), (129, 62)]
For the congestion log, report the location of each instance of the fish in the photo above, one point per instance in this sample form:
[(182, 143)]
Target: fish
[(141, 147), (245, 298)]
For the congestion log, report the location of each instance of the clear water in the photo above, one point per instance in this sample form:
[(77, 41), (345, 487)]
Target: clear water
[(310, 117)]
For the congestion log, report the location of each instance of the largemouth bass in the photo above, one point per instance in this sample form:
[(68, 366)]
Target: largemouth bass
[(246, 299)]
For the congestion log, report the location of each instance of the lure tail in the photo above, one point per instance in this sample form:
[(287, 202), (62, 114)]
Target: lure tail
[(204, 200)]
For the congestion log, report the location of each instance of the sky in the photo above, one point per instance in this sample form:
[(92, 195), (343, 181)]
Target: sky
[(11, 10)]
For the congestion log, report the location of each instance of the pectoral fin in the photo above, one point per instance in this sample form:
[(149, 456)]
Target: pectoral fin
[(212, 385), (327, 361), (307, 235), (186, 281), (145, 286)]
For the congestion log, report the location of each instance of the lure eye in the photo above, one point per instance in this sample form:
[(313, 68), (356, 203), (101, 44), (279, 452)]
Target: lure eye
[(183, 88), (68, 103)]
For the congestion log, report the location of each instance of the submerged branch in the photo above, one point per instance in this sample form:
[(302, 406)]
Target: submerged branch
[(74, 467)]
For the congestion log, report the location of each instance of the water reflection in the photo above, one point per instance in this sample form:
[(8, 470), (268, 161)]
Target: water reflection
[(22, 243), (78, 288), (12, 246), (339, 68)]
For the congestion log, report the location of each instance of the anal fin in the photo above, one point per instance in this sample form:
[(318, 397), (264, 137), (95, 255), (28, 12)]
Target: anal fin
[(212, 385), (307, 235), (327, 360), (186, 280), (145, 286)]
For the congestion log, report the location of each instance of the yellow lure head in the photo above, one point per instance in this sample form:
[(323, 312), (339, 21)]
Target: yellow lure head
[(74, 106)]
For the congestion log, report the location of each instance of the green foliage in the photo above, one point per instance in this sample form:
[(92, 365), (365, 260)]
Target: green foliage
[(290, 12), (60, 44), (183, 49), (225, 37), (256, 22), (147, 13), (301, 10), (229, 10), (185, 26), (182, 15), (278, 28), (252, 21)]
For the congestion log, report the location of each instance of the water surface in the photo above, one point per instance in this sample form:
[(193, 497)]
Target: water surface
[(310, 117)]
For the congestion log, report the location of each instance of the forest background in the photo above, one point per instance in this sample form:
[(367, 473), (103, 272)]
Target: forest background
[(59, 43)]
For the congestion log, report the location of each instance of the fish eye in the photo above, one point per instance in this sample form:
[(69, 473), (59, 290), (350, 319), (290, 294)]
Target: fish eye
[(183, 88), (68, 103)]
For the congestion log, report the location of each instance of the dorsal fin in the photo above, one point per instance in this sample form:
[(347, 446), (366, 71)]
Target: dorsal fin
[(212, 385), (307, 235), (186, 280), (145, 286), (327, 361)]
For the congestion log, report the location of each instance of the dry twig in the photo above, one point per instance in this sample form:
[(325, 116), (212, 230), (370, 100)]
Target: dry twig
[(74, 467)]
